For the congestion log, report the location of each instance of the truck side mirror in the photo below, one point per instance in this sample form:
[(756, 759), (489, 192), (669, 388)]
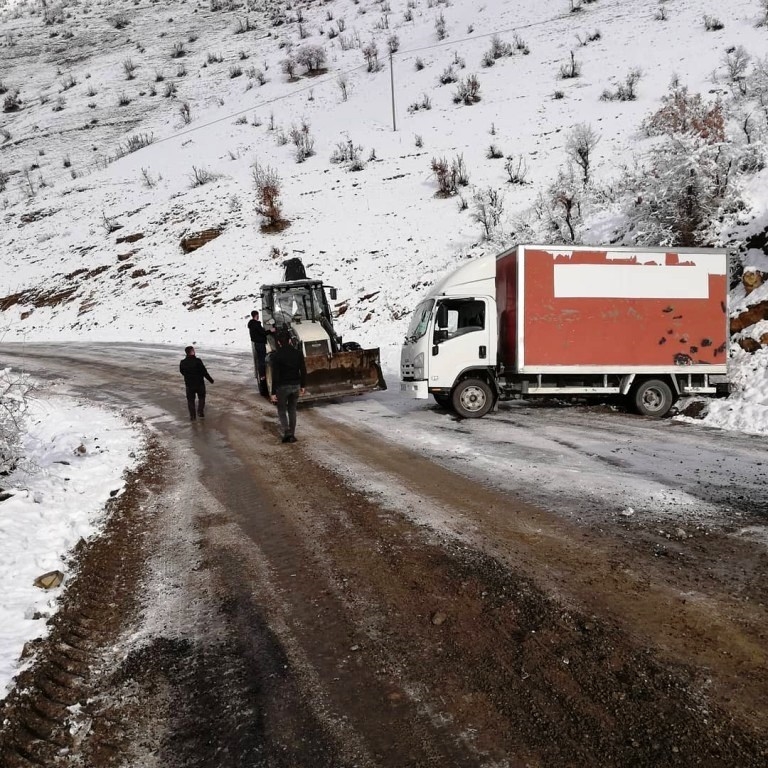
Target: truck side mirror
[(332, 293), (442, 315)]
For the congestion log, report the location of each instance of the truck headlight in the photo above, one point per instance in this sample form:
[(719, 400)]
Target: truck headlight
[(418, 366)]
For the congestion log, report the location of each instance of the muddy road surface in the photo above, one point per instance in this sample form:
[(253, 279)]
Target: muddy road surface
[(365, 597)]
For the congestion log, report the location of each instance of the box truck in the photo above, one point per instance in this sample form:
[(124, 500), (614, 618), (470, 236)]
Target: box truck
[(649, 325)]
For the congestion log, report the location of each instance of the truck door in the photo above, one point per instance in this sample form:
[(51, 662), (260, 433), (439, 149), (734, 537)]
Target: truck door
[(460, 340)]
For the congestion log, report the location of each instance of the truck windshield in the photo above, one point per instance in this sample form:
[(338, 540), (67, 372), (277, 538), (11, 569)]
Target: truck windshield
[(420, 320)]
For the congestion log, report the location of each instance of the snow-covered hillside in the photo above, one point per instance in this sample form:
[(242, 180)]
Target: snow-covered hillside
[(203, 85)]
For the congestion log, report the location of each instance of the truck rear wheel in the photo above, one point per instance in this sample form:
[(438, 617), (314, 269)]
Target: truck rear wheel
[(652, 398), (472, 398)]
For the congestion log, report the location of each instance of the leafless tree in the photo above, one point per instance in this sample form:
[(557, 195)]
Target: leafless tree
[(580, 147)]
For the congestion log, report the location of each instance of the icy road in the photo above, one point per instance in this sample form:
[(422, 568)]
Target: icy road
[(548, 586)]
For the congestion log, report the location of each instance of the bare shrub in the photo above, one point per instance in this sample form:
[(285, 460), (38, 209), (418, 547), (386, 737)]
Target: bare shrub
[(419, 64), (736, 62), (119, 20), (493, 152), (349, 154), (267, 183), (288, 66), (178, 50), (201, 176), (243, 26), (590, 37), (343, 82), (68, 82), (303, 141), (235, 71), (448, 76), (425, 103), (185, 110), (12, 102), (467, 91), (129, 68), (134, 143), (147, 179), (498, 50), (370, 53), (123, 100), (520, 44), (580, 145), (393, 43), (170, 90), (440, 26), (626, 91), (516, 168), (570, 69), (449, 177), (712, 23), (487, 208)]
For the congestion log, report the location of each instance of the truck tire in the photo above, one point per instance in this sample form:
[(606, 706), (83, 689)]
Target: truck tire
[(472, 398), (444, 401), (652, 397)]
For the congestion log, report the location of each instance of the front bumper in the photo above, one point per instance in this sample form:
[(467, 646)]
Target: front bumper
[(415, 389)]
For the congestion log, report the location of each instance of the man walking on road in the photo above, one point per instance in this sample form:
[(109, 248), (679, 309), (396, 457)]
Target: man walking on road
[(195, 373), (289, 377), (259, 349)]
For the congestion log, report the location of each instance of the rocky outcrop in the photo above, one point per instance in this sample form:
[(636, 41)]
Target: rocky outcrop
[(199, 239)]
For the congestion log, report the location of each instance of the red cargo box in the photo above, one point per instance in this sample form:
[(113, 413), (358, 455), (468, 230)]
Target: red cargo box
[(582, 309)]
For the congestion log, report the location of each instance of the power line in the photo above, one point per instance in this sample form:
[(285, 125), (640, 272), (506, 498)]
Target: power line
[(445, 43)]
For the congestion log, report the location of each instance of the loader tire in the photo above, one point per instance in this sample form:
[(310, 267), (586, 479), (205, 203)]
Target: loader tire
[(653, 398), (472, 398)]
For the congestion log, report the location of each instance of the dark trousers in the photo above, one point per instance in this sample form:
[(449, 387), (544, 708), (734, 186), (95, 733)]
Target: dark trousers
[(287, 399), (200, 393), (259, 359)]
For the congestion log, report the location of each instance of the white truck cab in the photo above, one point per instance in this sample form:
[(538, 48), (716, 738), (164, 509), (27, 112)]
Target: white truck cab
[(455, 322)]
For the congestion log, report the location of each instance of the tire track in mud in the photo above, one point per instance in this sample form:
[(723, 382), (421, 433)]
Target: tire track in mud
[(41, 717)]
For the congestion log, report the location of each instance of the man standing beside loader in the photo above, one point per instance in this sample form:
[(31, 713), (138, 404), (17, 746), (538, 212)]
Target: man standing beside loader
[(259, 348)]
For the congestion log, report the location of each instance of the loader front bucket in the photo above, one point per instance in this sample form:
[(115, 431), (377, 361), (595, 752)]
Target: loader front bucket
[(343, 373)]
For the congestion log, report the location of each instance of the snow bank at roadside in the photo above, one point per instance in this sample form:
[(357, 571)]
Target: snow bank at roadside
[(76, 456)]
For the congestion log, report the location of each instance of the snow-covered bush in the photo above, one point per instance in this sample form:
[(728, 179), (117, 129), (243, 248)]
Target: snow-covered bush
[(467, 91), (626, 91), (14, 388), (311, 56), (487, 208)]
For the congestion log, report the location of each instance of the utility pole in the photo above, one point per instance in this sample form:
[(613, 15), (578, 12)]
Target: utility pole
[(392, 86)]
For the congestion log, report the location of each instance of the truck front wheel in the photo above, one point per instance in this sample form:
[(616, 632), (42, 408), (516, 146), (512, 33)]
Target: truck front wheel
[(472, 398), (653, 398)]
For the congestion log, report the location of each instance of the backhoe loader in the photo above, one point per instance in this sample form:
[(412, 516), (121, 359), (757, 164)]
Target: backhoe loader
[(300, 306)]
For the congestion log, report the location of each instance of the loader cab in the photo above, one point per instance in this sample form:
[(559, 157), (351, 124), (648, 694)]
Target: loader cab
[(302, 308)]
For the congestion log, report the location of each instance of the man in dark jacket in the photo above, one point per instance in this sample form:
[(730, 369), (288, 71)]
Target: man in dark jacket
[(289, 377), (195, 373), (259, 349)]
